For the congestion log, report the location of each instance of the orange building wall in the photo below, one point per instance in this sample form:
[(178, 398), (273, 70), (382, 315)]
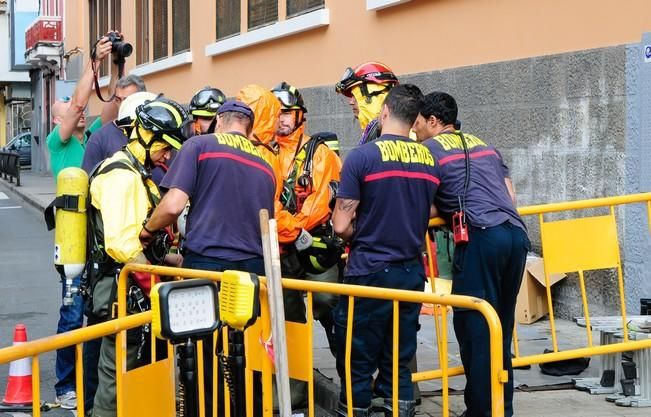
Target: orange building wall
[(418, 36)]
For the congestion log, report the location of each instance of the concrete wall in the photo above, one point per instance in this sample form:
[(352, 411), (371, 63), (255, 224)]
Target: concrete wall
[(637, 247), (560, 122)]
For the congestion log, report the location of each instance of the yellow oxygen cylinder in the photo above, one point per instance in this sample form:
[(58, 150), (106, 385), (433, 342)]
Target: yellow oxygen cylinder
[(70, 234)]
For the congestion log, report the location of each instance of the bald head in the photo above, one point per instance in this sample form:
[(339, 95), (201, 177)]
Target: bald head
[(59, 110)]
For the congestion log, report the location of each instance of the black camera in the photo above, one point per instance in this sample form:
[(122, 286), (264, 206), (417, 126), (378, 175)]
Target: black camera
[(119, 48)]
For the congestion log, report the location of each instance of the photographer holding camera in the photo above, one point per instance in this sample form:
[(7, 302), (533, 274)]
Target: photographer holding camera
[(66, 144), (120, 50)]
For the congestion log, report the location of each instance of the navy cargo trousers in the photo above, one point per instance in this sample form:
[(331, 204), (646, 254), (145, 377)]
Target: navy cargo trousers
[(490, 267), (372, 334)]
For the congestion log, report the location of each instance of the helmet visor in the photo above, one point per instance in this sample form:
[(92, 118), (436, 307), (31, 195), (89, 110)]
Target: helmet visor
[(348, 79), (208, 97), (176, 137), (287, 99)]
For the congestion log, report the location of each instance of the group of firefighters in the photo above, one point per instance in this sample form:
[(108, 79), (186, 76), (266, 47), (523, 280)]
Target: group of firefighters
[(159, 173)]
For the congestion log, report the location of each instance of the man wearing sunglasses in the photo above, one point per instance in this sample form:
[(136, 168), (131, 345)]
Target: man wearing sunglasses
[(366, 88), (203, 107), (310, 172)]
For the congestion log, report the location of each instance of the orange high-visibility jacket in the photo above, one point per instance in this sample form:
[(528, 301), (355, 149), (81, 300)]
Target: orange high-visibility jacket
[(326, 167), (266, 109)]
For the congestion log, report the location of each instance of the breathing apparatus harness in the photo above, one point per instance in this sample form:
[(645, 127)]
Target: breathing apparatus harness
[(100, 264), (291, 198)]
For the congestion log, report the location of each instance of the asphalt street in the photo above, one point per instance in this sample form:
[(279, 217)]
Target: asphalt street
[(30, 291)]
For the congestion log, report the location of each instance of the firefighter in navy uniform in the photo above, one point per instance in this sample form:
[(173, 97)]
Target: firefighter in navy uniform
[(383, 207), (476, 195), (366, 87), (227, 182), (122, 195)]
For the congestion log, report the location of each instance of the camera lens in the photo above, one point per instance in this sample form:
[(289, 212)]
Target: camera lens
[(123, 48)]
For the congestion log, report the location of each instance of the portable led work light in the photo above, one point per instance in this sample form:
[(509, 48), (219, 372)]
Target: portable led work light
[(184, 309), (239, 299)]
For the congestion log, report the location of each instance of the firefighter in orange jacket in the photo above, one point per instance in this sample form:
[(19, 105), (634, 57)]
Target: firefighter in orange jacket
[(310, 172)]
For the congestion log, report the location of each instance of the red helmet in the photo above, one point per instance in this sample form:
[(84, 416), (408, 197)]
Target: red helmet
[(370, 72)]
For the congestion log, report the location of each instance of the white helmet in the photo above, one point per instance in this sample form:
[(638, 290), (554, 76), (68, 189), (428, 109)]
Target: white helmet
[(127, 112)]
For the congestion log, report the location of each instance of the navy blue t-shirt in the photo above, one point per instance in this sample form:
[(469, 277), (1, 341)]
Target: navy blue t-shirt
[(106, 141), (103, 143), (228, 183), (488, 202), (395, 180)]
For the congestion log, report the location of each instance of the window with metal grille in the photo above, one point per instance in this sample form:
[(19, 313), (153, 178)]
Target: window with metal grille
[(116, 15), (262, 12), (161, 49), (228, 18), (103, 15), (296, 7), (142, 31), (181, 25)]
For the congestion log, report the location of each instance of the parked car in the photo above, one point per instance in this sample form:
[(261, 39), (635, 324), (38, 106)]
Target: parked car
[(22, 144)]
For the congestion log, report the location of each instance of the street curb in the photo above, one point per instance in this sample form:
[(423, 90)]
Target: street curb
[(26, 197), (326, 392)]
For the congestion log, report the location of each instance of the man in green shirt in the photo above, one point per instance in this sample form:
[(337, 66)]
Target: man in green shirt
[(67, 141)]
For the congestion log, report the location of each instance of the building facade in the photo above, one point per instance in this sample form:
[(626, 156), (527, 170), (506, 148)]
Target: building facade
[(15, 95), (558, 86)]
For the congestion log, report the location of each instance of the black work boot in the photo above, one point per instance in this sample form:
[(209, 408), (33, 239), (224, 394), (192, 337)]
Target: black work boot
[(342, 411), (406, 408)]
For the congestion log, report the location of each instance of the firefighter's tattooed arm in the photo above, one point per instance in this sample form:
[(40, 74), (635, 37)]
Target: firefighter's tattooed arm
[(343, 217)]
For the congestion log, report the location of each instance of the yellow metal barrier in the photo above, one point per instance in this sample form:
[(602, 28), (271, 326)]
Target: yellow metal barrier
[(34, 348), (135, 387), (304, 371), (575, 245)]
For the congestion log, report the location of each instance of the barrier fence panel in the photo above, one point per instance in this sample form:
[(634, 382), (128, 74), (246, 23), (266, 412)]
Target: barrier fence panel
[(33, 349), (299, 340), (150, 389), (580, 244)]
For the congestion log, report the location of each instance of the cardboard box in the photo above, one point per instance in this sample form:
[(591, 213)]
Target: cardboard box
[(532, 298)]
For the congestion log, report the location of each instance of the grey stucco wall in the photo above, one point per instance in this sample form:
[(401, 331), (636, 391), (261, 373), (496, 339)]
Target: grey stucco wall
[(637, 246), (565, 124)]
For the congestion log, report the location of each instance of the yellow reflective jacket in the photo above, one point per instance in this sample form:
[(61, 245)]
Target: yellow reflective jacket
[(124, 203), (326, 167)]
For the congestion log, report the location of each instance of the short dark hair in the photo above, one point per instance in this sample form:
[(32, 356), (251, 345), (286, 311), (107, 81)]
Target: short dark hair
[(440, 105), (404, 102), (237, 117)]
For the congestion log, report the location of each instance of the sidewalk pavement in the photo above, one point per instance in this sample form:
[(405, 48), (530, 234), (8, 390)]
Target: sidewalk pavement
[(38, 191)]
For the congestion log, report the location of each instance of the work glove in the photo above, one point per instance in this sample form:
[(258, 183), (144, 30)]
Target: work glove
[(303, 241)]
